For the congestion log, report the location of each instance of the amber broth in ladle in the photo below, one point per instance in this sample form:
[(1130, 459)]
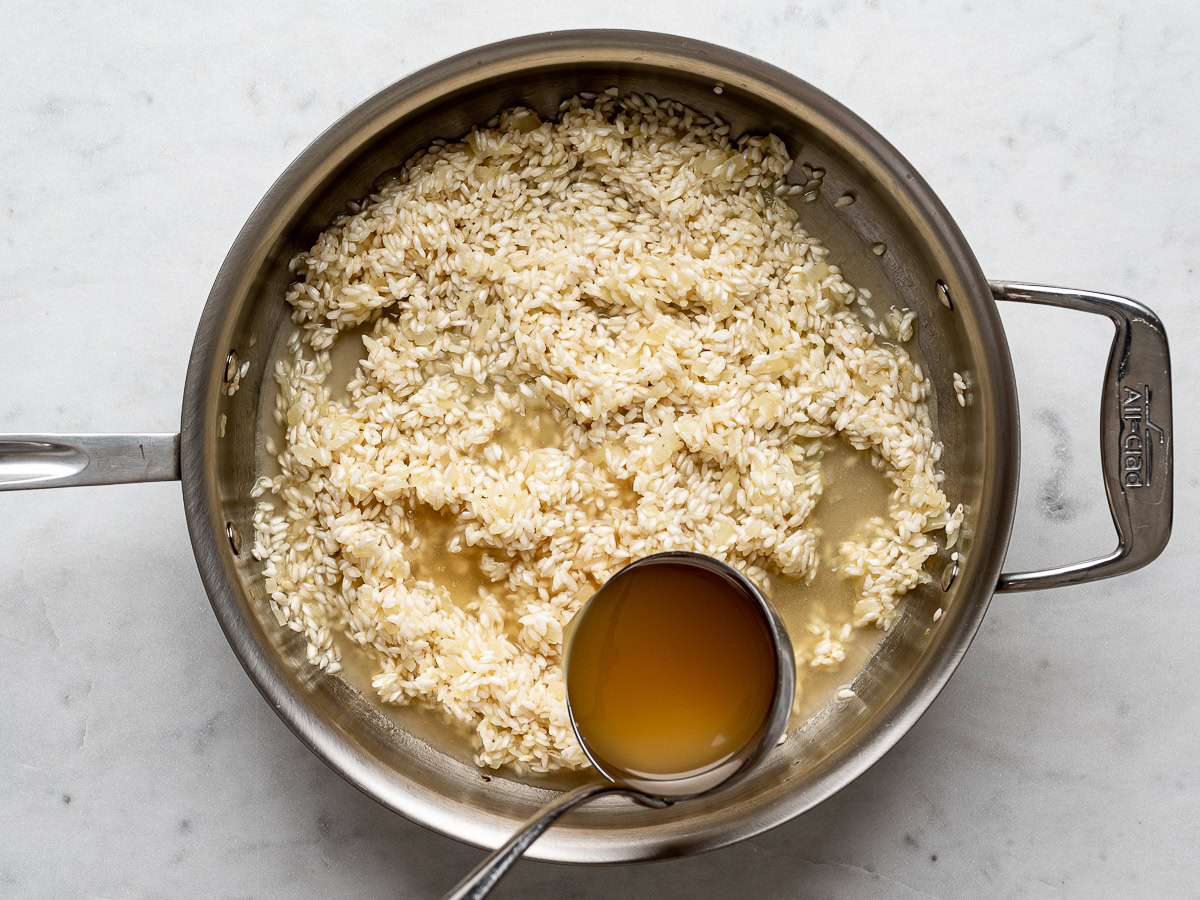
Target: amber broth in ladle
[(673, 674)]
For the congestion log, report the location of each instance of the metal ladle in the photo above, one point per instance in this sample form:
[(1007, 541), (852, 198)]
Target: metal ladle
[(663, 790)]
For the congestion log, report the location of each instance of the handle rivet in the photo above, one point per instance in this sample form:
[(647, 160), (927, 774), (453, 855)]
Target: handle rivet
[(944, 294), (231, 366), (949, 573), (235, 538)]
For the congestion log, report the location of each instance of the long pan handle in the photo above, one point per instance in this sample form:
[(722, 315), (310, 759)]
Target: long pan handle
[(1135, 435), (65, 460)]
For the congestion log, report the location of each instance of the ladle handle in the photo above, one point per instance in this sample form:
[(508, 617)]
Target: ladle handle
[(65, 460), (1135, 435), (487, 874)]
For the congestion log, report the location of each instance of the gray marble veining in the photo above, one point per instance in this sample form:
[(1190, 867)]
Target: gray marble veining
[(137, 760)]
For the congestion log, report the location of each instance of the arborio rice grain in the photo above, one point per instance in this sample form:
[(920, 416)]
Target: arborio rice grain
[(632, 276)]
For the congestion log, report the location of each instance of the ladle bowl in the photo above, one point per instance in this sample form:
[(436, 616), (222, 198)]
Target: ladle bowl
[(658, 791)]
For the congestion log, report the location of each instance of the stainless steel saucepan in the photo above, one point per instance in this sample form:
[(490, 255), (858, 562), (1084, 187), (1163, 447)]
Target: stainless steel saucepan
[(927, 266)]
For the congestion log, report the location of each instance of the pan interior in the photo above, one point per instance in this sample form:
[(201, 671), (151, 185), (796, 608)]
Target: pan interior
[(394, 754)]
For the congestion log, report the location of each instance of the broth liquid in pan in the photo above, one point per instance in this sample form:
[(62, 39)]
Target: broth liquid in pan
[(674, 672)]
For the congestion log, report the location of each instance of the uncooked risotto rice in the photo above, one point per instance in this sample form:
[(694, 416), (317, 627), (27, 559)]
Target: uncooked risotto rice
[(582, 342)]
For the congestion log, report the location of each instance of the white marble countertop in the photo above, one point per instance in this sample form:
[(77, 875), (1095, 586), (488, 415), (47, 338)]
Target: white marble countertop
[(136, 758)]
